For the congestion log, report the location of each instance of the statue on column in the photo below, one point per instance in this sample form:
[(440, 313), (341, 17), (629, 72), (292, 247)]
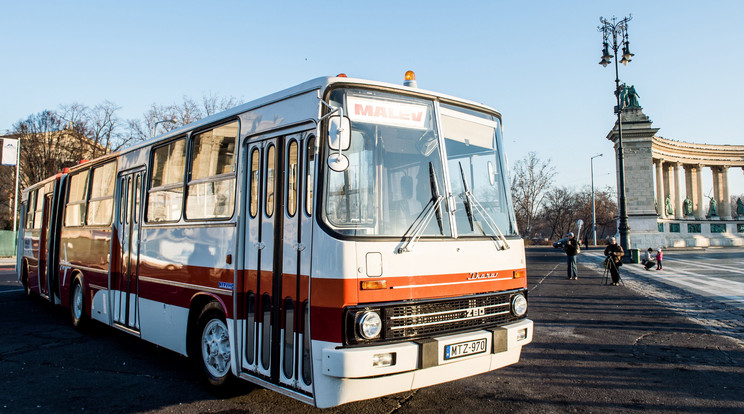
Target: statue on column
[(739, 208), (668, 206), (713, 210), (633, 97), (623, 96), (687, 206)]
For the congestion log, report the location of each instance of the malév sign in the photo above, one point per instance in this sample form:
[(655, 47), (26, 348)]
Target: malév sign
[(387, 113)]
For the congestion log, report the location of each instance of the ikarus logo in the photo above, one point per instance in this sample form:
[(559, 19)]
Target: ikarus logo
[(478, 276)]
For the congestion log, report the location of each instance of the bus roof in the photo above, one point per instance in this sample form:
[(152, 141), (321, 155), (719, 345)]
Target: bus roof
[(320, 84)]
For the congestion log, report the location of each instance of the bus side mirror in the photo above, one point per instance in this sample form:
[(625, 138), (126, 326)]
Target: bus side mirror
[(339, 133)]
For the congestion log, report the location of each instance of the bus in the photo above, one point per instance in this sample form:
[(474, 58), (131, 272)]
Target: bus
[(339, 240)]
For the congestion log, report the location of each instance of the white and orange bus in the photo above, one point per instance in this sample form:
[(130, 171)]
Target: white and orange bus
[(340, 240)]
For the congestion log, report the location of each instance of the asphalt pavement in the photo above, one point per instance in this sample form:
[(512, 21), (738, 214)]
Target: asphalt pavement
[(596, 349)]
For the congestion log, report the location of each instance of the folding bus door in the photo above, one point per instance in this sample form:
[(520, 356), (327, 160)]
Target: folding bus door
[(260, 265), (271, 341), (124, 276), (295, 276), (44, 248)]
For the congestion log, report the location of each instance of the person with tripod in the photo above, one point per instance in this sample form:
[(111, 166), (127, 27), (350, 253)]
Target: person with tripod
[(614, 254)]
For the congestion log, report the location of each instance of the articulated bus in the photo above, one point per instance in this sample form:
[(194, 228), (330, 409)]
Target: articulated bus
[(340, 240)]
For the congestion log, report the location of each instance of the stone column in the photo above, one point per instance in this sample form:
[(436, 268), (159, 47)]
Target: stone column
[(716, 189), (678, 214), (660, 188), (699, 201), (668, 187), (725, 210), (690, 184)]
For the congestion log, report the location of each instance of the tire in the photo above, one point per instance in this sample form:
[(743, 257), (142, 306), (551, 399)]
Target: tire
[(211, 347), (24, 280), (77, 304)]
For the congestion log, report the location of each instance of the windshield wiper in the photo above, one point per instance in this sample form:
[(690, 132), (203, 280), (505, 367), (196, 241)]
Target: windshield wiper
[(471, 201), (431, 209)]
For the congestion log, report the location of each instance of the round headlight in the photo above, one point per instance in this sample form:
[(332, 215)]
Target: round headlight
[(369, 324), (519, 305)]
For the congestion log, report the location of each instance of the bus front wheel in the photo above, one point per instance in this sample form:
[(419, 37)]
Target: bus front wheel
[(77, 301), (212, 350)]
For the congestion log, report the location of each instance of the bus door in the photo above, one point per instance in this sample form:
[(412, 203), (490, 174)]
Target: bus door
[(124, 276), (272, 346), (45, 237)]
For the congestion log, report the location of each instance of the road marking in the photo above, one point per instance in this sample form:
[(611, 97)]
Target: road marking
[(709, 265), (694, 280)]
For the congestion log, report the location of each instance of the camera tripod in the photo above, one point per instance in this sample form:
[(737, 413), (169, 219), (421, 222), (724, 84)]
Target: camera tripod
[(610, 264)]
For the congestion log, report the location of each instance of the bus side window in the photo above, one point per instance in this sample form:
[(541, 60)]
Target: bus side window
[(75, 210), (30, 209), (211, 186), (270, 180), (292, 164), (254, 182), (39, 208), (165, 197), (309, 168), (101, 204)]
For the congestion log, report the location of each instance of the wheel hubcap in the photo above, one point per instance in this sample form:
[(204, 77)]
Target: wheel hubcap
[(216, 348), (77, 304)]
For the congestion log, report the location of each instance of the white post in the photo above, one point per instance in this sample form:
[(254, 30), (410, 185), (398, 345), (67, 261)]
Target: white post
[(15, 198)]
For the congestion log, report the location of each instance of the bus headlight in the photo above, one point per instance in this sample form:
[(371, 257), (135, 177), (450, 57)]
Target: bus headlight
[(369, 325), (518, 305)]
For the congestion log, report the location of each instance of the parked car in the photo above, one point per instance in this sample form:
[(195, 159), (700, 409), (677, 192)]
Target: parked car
[(561, 243)]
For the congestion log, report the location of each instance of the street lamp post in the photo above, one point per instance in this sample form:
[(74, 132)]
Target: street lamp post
[(618, 29), (594, 214), (155, 125)]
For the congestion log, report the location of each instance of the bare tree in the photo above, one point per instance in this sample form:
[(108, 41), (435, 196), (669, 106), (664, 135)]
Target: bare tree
[(49, 144), (186, 112), (212, 104), (531, 179), (561, 211), (105, 128)]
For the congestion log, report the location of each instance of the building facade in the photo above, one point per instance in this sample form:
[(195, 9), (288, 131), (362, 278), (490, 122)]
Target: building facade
[(667, 204)]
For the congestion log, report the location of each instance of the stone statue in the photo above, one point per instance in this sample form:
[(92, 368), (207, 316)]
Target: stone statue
[(713, 211), (628, 97), (623, 95), (668, 206), (687, 207), (633, 98), (739, 208)]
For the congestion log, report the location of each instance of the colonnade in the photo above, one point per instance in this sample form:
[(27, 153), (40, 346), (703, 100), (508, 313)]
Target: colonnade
[(674, 196)]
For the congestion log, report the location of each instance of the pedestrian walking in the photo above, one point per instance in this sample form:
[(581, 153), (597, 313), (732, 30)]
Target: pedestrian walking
[(648, 259), (614, 254), (572, 249), (659, 257)]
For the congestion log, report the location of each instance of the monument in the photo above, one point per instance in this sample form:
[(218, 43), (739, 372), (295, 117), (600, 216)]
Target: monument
[(664, 185)]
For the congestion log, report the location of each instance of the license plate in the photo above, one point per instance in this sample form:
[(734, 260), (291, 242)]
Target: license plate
[(464, 348)]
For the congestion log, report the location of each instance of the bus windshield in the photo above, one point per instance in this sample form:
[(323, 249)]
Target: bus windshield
[(397, 182)]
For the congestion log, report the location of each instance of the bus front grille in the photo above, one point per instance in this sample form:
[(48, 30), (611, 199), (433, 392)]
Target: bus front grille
[(431, 318)]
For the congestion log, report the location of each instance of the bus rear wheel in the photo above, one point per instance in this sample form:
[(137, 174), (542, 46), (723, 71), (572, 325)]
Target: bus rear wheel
[(212, 348), (77, 301), (25, 281)]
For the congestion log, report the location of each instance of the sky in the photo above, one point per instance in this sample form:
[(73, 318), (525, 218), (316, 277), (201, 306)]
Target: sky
[(534, 61)]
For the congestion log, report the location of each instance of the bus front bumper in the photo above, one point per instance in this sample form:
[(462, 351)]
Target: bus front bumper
[(353, 374), (423, 354)]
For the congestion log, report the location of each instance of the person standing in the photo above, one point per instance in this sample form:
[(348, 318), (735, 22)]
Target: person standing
[(572, 250), (659, 256), (614, 253)]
